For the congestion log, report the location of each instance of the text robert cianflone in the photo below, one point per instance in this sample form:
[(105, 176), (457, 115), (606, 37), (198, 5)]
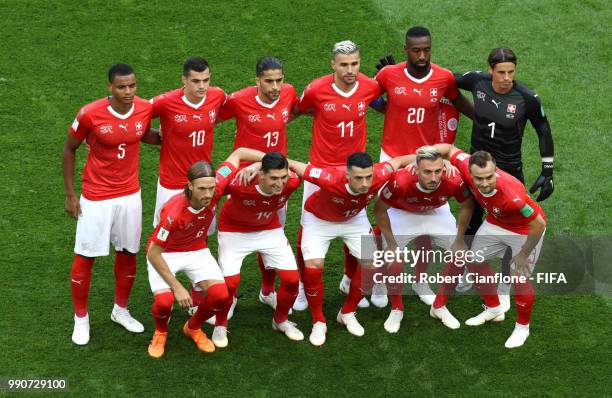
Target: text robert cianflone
[(411, 257), (470, 277)]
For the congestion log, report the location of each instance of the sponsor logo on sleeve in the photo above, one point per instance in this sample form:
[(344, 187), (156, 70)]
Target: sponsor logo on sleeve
[(75, 124), (315, 172), (527, 210), (452, 124), (462, 156), (389, 167), (163, 234), (225, 171)]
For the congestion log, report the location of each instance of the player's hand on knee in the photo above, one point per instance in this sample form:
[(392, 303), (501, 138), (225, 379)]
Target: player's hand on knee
[(384, 61), (183, 298), (72, 206), (520, 265)]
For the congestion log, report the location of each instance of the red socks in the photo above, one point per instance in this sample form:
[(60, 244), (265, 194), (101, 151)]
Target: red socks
[(232, 283), (488, 291), (80, 278), (524, 296), (125, 274), (267, 277), (446, 289), (313, 287), (217, 299), (286, 294), (196, 296), (351, 264), (422, 243), (162, 309), (362, 281)]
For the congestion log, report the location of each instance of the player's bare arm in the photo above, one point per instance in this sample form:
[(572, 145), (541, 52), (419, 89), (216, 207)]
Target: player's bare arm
[(464, 105), (537, 226), (383, 222), (463, 222), (244, 155), (297, 167), (152, 137), (68, 158), (402, 161), (161, 266)]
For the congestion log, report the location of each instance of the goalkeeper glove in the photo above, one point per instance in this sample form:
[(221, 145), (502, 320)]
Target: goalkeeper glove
[(544, 181)]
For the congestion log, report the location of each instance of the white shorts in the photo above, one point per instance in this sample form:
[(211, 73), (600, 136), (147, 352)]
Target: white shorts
[(198, 265), (437, 223), (163, 195), (492, 241), (117, 220), (317, 234), (272, 245)]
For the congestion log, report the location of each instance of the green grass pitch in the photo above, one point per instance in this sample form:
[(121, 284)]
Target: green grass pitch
[(54, 58)]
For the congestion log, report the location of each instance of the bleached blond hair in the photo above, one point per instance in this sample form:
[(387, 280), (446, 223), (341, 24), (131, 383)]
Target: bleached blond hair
[(345, 47)]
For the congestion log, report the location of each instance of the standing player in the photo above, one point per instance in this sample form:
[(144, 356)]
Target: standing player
[(337, 210), (412, 205), (110, 208), (417, 90), (514, 221), (502, 107), (262, 113), (187, 118), (249, 222), (339, 104), (179, 243)]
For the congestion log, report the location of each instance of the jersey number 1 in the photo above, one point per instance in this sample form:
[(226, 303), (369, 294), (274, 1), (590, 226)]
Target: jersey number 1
[(492, 125)]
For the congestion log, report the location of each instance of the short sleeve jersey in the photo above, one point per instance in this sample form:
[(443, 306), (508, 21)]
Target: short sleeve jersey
[(335, 201), (182, 228), (500, 119), (187, 132), (111, 169), (403, 191), (249, 209), (448, 121), (413, 106), (339, 126), (508, 206), (260, 125)]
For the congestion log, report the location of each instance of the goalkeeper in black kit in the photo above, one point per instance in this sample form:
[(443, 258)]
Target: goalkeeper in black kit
[(502, 107)]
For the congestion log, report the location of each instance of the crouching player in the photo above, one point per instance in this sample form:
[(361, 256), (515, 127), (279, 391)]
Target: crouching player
[(337, 210), (514, 221), (413, 204), (249, 222), (178, 243)]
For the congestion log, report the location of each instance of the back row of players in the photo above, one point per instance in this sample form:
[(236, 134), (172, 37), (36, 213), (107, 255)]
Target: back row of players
[(340, 180)]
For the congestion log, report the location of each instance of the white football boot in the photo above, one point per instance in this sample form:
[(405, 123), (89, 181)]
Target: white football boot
[(445, 316), (518, 337), (352, 324), (219, 337), (80, 334), (317, 336), (301, 303), (426, 295), (122, 317), (269, 300), (394, 321), (290, 330), (379, 295), (495, 314)]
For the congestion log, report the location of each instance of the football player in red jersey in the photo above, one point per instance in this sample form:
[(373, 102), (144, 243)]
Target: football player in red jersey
[(109, 208), (337, 210), (415, 112), (514, 221), (187, 118), (249, 222), (339, 103), (262, 113), (412, 204), (179, 244)]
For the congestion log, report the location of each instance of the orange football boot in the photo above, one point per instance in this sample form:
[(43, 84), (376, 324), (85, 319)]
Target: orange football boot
[(199, 337), (158, 344)]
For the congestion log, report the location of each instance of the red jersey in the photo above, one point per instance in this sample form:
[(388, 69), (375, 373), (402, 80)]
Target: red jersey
[(335, 201), (403, 191), (259, 125), (248, 209), (448, 121), (508, 206), (182, 228), (111, 169), (411, 118), (187, 130), (339, 125)]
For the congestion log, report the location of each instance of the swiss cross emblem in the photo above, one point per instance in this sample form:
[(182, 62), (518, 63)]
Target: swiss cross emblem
[(138, 125), (285, 112), (511, 108), (433, 92), (212, 114), (361, 106), (496, 211)]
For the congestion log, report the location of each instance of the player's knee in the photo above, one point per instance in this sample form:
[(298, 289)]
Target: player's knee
[(218, 295)]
